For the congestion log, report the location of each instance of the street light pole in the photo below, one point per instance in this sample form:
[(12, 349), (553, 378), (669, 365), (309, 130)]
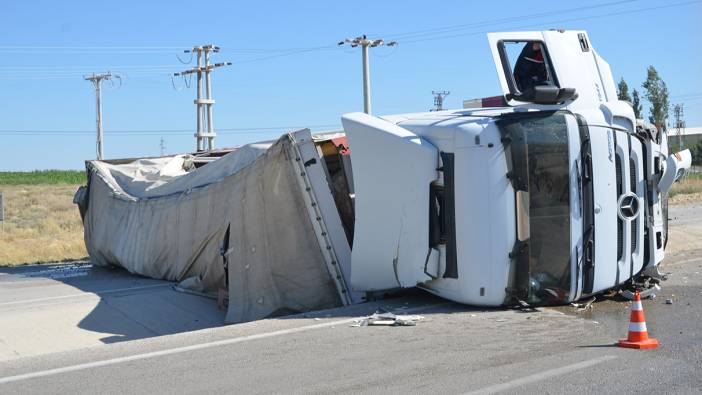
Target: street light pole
[(365, 44), (366, 81)]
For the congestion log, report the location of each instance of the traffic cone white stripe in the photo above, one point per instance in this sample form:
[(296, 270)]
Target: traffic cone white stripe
[(637, 327), (636, 306)]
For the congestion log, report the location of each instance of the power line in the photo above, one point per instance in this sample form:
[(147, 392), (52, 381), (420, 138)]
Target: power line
[(18, 71), (443, 37), (314, 49), (72, 74), (686, 95), (79, 68), (156, 132), (146, 48), (60, 73), (141, 50), (419, 36), (157, 70), (40, 50), (492, 22), (238, 129)]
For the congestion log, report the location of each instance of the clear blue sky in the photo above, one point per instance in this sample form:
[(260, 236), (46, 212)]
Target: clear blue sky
[(46, 47)]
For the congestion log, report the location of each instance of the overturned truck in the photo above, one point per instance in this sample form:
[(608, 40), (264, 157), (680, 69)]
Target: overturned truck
[(546, 194)]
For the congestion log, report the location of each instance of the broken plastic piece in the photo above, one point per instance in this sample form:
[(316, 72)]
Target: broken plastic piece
[(646, 293), (388, 319), (586, 305)]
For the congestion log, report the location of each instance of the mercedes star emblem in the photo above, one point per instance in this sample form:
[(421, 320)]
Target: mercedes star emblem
[(628, 206)]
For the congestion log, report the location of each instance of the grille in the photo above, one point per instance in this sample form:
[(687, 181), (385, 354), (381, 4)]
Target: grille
[(632, 183), (620, 223)]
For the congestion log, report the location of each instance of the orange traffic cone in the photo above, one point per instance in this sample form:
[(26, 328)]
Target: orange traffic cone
[(638, 335)]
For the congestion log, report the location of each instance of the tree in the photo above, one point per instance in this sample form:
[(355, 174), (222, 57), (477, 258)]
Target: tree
[(636, 104), (623, 91), (657, 95), (696, 151)]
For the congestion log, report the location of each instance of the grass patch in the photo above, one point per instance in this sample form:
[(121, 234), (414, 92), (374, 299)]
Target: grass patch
[(41, 225), (691, 184), (42, 177)]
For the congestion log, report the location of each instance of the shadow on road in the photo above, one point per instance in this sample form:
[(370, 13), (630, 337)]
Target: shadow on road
[(79, 303)]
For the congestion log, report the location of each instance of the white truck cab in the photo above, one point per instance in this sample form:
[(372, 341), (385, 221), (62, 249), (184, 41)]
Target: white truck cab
[(551, 196)]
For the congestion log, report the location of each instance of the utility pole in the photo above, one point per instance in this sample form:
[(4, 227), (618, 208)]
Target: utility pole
[(439, 99), (365, 44), (679, 112), (97, 79), (204, 105)]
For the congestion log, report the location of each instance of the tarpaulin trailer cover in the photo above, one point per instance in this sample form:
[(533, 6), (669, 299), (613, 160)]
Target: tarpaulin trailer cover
[(155, 218)]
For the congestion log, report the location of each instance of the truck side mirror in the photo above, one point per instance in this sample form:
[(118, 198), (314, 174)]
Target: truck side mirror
[(544, 94), (675, 167)]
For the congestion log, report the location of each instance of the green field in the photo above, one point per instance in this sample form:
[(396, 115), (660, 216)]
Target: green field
[(42, 177)]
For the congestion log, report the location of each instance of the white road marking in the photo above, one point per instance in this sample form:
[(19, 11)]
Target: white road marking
[(493, 389), (98, 293), (194, 347)]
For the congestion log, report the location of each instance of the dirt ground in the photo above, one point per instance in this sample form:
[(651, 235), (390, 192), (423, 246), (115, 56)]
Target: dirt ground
[(41, 225), (690, 186), (686, 198)]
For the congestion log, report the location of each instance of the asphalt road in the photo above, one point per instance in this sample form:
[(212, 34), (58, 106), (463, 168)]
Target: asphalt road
[(455, 349), (52, 308)]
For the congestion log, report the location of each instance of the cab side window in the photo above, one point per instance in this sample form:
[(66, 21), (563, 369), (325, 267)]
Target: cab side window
[(526, 65)]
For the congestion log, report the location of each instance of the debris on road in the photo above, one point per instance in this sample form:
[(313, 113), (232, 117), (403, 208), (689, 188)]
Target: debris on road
[(586, 305), (669, 301), (388, 319), (647, 288), (61, 271)]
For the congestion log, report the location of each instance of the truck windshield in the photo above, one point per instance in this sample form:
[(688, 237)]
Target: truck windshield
[(540, 165)]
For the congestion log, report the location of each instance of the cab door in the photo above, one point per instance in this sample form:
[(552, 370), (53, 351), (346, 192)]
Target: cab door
[(570, 63), (392, 172), (505, 57)]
